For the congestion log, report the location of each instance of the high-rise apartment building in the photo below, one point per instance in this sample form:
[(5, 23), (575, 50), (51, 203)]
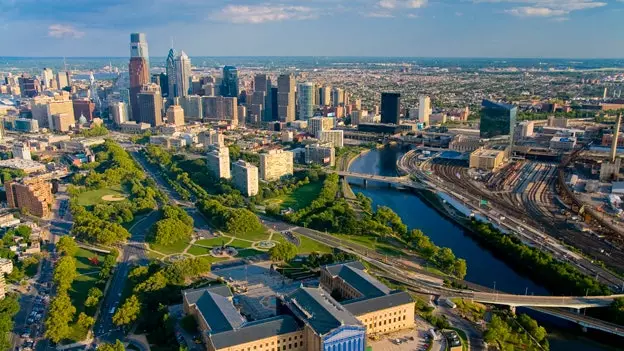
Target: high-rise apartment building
[(220, 108), (118, 111), (323, 154), (318, 124), (325, 96), (424, 109), (229, 84), (338, 97), (276, 164), (138, 70), (192, 106), (171, 74), (183, 74), (245, 177), (286, 97), (335, 137), (47, 76), (175, 115), (390, 107), (306, 100), (22, 151), (218, 161), (150, 105), (31, 194)]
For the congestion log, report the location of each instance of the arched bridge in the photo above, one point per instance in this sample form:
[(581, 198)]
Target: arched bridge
[(399, 181)]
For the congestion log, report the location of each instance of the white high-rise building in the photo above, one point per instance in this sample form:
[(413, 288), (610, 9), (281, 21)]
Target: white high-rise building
[(21, 150), (336, 137), (424, 109), (118, 112), (219, 162), (245, 177), (305, 93), (276, 164), (183, 74), (323, 154), (318, 124), (46, 77)]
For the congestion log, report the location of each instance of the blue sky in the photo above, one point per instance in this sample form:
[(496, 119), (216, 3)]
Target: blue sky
[(448, 28)]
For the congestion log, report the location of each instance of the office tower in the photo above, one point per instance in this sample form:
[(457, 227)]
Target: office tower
[(276, 164), (245, 177), (118, 111), (62, 122), (150, 104), (337, 97), (83, 108), (47, 76), (242, 114), (29, 87), (318, 124), (286, 97), (317, 95), (163, 81), (192, 106), (171, 74), (424, 109), (209, 89), (325, 96), (42, 110), (305, 93), (335, 137), (138, 71), (175, 115), (390, 103), (31, 194), (220, 108), (274, 105), (182, 74), (323, 154), (21, 151), (155, 78), (218, 162), (262, 83), (497, 119), (229, 84), (62, 79)]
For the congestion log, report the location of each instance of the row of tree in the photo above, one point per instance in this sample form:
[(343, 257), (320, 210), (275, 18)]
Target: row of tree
[(235, 221), (557, 276), (9, 306), (511, 332), (174, 226)]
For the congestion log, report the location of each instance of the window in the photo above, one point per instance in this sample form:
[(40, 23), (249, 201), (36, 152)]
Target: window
[(289, 339), (404, 317), (300, 343), (284, 347)]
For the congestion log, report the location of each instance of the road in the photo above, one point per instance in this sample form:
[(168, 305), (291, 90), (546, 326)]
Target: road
[(133, 253), (31, 301)]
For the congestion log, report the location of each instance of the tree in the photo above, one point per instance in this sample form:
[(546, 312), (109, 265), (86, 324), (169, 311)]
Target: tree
[(128, 312), (460, 268), (283, 252), (117, 346), (93, 297), (85, 321), (67, 246), (60, 315), (155, 282), (65, 272), (171, 230)]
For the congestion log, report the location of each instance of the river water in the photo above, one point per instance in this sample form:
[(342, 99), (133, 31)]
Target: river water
[(483, 267)]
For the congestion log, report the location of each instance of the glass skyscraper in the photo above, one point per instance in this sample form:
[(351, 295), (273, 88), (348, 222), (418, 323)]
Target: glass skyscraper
[(390, 107), (305, 93), (497, 119), (229, 84)]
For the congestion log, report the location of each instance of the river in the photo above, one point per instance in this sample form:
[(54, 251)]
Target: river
[(483, 267)]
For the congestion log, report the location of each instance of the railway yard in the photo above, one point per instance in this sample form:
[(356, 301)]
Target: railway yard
[(523, 195)]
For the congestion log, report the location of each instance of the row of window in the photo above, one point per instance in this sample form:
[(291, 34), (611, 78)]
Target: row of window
[(267, 348), (385, 315)]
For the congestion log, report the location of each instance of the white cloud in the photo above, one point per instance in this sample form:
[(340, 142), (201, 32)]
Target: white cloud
[(395, 4), (379, 14), (559, 9), (264, 13), (64, 31)]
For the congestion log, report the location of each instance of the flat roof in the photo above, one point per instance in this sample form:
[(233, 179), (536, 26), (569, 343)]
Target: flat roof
[(321, 311), (362, 306), (253, 331), (18, 163), (353, 273)]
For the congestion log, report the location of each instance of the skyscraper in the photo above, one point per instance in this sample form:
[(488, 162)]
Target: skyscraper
[(229, 84), (286, 97), (175, 115), (390, 103), (325, 96), (306, 99), (150, 105), (218, 162), (262, 83), (424, 109), (171, 76), (338, 95), (274, 105), (497, 119), (46, 77), (182, 74), (138, 70)]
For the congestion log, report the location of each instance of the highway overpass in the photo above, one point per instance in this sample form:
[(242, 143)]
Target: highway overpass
[(584, 321), (398, 181), (512, 300)]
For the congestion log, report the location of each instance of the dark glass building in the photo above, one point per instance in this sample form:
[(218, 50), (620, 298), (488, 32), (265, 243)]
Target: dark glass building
[(390, 107), (274, 110), (497, 119), (229, 84)]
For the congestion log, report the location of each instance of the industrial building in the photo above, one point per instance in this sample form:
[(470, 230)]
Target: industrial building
[(487, 159)]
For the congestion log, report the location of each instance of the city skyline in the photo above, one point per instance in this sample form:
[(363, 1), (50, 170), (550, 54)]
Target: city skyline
[(474, 28)]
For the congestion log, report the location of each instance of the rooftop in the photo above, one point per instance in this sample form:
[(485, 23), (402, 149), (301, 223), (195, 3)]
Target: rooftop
[(353, 273), (362, 306), (319, 310), (18, 163), (253, 331)]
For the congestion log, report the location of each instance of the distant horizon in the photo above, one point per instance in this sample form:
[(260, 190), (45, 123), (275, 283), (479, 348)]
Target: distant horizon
[(337, 56)]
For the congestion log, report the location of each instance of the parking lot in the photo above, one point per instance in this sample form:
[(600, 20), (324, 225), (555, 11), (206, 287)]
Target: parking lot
[(407, 340)]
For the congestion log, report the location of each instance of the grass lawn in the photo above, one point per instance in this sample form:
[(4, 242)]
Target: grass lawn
[(198, 250), (83, 263), (172, 249), (300, 198), (248, 253), (153, 255), (308, 245), (258, 235), (93, 197), (240, 244), (213, 242), (370, 242)]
